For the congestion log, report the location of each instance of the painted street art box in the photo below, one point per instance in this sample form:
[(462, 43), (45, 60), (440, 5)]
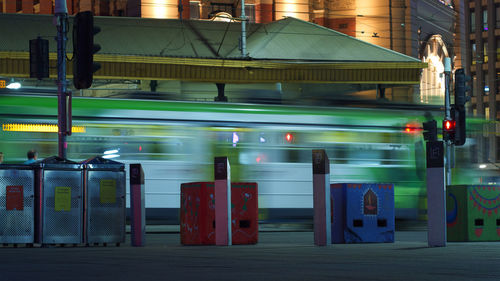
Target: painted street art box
[(197, 213), (362, 212), (244, 213), (473, 213)]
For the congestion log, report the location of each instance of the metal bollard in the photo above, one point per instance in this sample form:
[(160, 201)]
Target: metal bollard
[(223, 235), (137, 205), (436, 200), (321, 198)]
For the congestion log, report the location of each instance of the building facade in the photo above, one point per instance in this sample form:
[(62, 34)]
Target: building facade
[(426, 29), (482, 63)]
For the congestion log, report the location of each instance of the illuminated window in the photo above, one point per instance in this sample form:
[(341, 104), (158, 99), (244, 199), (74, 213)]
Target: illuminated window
[(472, 20), (216, 8), (474, 52), (498, 48), (485, 51), (194, 9), (250, 12), (485, 19)]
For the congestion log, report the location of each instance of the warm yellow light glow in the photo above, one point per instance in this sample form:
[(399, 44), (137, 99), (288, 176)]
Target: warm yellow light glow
[(160, 9), (38, 128), (372, 21), (292, 8), (432, 84)]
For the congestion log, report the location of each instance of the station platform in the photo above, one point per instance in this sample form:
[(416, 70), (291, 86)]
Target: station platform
[(279, 255)]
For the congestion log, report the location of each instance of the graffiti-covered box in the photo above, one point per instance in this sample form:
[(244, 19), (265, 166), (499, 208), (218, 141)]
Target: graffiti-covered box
[(473, 213), (197, 213), (362, 212), (244, 213)]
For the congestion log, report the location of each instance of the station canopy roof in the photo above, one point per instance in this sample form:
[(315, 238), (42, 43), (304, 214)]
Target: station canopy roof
[(288, 50)]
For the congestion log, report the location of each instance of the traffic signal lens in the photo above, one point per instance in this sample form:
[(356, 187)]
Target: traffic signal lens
[(289, 137), (411, 128), (449, 125)]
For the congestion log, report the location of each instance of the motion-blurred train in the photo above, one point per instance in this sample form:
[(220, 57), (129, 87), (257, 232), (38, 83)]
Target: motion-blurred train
[(272, 145)]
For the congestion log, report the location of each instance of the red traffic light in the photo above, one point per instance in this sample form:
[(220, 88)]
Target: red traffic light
[(289, 137), (449, 130), (449, 125)]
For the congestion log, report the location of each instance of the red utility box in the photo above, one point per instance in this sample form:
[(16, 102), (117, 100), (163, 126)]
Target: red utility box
[(197, 213), (244, 213)]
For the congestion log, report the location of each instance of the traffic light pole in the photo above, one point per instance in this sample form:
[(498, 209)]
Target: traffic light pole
[(447, 104), (61, 13)]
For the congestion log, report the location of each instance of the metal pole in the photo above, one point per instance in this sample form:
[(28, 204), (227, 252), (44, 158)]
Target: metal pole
[(447, 72), (243, 30), (61, 13), (180, 9)]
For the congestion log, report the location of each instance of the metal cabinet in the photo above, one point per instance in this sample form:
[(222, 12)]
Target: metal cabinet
[(105, 197), (17, 207)]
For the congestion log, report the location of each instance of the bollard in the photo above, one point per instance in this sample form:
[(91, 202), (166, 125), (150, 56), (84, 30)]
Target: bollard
[(436, 200), (321, 198), (137, 212), (222, 202)]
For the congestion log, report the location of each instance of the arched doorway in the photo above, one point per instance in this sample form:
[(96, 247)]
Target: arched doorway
[(432, 84)]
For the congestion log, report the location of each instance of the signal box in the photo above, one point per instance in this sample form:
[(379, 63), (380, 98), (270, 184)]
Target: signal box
[(473, 213), (362, 212), (197, 213), (244, 213)]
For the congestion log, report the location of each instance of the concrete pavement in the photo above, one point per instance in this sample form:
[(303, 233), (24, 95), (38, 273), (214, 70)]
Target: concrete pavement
[(277, 256)]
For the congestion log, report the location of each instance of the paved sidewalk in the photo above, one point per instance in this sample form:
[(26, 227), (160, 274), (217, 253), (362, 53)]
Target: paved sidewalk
[(278, 256)]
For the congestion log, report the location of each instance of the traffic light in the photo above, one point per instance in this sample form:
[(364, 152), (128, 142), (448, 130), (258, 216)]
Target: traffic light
[(449, 130), (458, 109), (84, 50), (39, 58), (430, 130), (461, 87), (458, 114)]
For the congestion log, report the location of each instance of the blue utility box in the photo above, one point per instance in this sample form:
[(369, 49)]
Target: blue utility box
[(362, 212)]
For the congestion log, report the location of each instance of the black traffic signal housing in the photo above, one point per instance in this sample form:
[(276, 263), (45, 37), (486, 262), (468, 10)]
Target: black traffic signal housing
[(461, 87), (84, 50), (449, 130), (458, 109), (430, 130), (39, 58), (458, 114)]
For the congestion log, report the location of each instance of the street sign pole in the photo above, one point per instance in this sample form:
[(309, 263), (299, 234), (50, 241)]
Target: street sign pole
[(63, 98)]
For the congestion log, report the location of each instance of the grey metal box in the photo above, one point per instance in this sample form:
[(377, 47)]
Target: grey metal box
[(105, 187), (62, 206), (17, 211)]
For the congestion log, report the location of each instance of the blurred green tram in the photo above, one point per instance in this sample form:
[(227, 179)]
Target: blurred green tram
[(268, 144)]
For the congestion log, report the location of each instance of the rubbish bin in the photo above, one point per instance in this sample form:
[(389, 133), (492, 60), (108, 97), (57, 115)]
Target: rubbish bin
[(17, 208), (61, 190), (105, 201)]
